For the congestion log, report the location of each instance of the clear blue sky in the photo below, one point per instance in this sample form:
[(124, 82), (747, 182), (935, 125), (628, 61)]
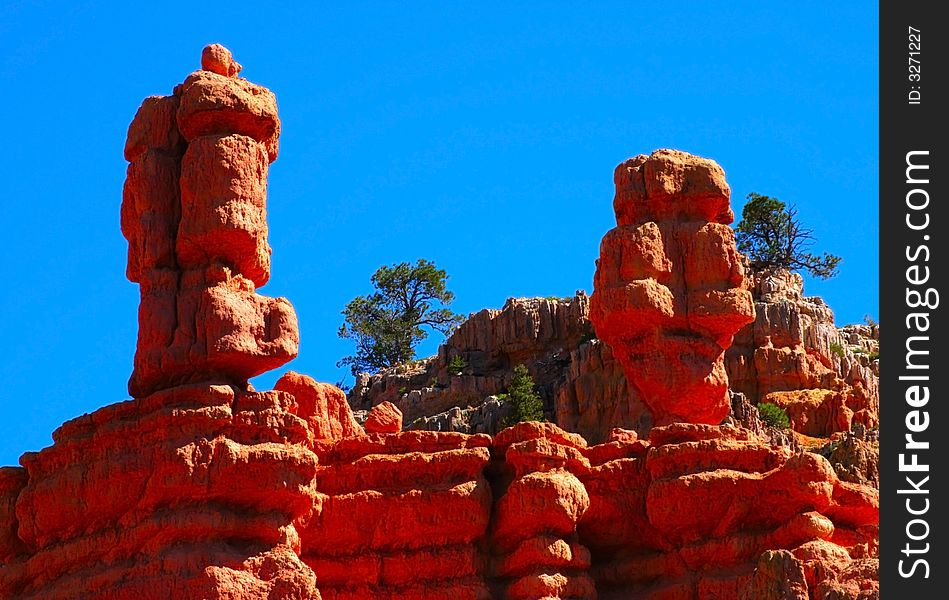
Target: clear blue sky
[(482, 136)]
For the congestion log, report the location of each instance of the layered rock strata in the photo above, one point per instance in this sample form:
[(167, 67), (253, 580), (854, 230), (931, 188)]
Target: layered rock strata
[(535, 545), (190, 492), (827, 379), (204, 488), (582, 385), (194, 488), (540, 333), (792, 344), (695, 512), (400, 515), (712, 503)]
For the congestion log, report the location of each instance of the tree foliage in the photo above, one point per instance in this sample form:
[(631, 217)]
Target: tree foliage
[(526, 404), (772, 236), (387, 324), (773, 415)]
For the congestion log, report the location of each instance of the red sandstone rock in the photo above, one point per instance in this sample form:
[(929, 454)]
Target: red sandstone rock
[(531, 331), (400, 516), (817, 413), (618, 434), (170, 478), (218, 59), (668, 294), (194, 214), (213, 491), (213, 104), (223, 217), (538, 553), (595, 396), (419, 513), (384, 418), (150, 205), (794, 345), (670, 185), (12, 482), (321, 405)]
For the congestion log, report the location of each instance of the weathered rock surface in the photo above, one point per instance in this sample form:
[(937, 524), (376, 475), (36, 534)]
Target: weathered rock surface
[(205, 488), (536, 549), (252, 505), (668, 295), (196, 488), (712, 503), (321, 405), (400, 515), (488, 417), (384, 418), (855, 456), (191, 492), (594, 396), (194, 214), (537, 513), (794, 356), (537, 332), (792, 345), (582, 385)]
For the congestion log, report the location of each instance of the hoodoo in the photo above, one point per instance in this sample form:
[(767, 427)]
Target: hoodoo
[(201, 487), (668, 294)]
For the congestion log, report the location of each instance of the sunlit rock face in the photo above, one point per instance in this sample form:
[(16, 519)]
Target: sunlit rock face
[(668, 291), (201, 487), (194, 214)]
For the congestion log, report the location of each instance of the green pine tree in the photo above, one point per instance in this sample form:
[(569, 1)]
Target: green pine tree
[(526, 404)]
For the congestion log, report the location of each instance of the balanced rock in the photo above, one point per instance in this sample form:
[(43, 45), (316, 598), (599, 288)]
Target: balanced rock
[(199, 486)]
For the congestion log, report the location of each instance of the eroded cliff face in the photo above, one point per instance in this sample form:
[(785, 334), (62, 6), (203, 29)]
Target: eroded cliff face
[(827, 379), (673, 305), (538, 332), (201, 487)]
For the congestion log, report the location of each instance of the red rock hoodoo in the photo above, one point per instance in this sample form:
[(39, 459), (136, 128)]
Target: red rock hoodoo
[(201, 487), (668, 295), (194, 214), (193, 489)]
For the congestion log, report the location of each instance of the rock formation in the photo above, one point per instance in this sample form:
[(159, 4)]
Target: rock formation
[(540, 333), (793, 356), (192, 489), (201, 487), (583, 387), (400, 515), (194, 214), (695, 512), (668, 294)]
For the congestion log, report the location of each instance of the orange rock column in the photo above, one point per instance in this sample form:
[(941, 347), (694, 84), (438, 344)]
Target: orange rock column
[(195, 488), (537, 552), (194, 213), (668, 295)]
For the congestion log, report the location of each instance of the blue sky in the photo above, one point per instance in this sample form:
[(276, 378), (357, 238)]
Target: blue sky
[(482, 136)]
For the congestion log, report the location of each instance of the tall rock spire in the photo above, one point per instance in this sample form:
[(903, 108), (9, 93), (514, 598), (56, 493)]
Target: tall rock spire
[(194, 214), (668, 291)]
